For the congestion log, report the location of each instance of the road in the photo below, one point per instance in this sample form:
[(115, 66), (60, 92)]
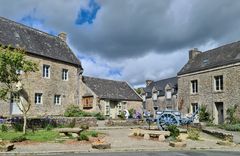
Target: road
[(167, 153)]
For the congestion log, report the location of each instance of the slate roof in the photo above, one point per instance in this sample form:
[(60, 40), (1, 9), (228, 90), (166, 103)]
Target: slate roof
[(35, 42), (110, 89), (224, 55), (160, 86)]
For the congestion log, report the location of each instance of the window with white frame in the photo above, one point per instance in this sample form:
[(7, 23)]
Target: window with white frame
[(57, 99), (38, 98), (107, 109), (169, 94), (154, 96), (218, 83), (46, 71), (144, 97), (194, 86), (65, 74)]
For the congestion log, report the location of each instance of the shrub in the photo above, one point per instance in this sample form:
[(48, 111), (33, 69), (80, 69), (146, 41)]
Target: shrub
[(4, 128), (99, 116), (122, 115), (131, 112), (204, 116), (193, 134), (18, 139), (18, 127), (174, 131), (83, 137), (231, 114), (73, 111), (94, 134)]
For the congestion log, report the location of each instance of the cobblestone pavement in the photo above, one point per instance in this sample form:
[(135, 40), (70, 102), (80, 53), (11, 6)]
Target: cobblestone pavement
[(120, 140)]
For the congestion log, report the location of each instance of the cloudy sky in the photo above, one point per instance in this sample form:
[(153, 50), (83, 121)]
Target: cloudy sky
[(132, 40)]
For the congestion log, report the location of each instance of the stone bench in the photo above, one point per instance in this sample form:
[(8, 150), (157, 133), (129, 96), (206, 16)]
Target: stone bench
[(147, 134), (75, 132)]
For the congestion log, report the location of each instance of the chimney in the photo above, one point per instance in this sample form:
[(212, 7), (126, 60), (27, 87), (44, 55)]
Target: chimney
[(193, 53), (148, 82), (63, 36)]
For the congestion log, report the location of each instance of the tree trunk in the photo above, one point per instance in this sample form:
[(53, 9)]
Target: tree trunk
[(24, 122)]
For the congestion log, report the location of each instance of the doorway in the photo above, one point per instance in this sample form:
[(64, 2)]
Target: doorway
[(113, 109), (14, 109), (219, 113)]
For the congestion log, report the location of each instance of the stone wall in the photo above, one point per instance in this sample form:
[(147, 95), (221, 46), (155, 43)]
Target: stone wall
[(35, 83), (206, 93)]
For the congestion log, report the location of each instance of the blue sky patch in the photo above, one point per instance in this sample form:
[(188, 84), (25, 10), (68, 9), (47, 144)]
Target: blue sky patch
[(87, 15)]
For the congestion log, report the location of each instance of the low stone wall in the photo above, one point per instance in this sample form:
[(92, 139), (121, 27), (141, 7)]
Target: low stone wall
[(219, 134), (40, 122), (130, 122)]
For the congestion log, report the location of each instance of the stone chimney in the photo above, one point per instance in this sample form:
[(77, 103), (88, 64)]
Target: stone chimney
[(148, 82), (193, 53), (63, 36)]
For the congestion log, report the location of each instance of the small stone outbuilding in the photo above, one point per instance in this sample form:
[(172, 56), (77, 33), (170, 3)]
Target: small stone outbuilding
[(110, 97)]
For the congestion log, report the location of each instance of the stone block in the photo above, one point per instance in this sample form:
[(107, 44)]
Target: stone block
[(146, 136), (225, 143), (101, 145), (4, 147), (177, 144), (161, 138), (75, 135)]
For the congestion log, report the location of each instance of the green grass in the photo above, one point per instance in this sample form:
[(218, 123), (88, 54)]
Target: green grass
[(38, 136), (91, 133)]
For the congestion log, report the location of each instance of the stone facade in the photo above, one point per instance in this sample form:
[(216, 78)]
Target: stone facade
[(161, 94), (49, 87), (207, 95)]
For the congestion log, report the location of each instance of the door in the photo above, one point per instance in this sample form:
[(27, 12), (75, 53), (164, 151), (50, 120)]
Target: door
[(219, 112), (14, 109), (113, 109)]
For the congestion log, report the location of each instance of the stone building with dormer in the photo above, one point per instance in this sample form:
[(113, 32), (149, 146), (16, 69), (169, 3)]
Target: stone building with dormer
[(211, 78), (161, 94), (56, 85), (109, 97)]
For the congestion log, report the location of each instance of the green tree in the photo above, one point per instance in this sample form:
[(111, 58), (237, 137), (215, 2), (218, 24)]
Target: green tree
[(14, 67)]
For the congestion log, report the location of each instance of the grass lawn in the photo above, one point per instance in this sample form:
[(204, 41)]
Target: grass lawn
[(39, 136)]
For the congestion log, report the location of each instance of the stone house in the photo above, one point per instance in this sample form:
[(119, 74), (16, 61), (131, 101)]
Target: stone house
[(211, 78), (160, 94), (56, 85), (109, 97)]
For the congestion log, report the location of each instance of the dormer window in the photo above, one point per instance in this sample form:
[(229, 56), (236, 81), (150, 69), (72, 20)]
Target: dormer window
[(169, 94), (154, 96)]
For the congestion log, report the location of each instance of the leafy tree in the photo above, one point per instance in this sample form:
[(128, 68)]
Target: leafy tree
[(14, 67)]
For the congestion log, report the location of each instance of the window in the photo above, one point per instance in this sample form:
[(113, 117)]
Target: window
[(57, 99), (46, 71), (107, 110), (144, 97), (194, 107), (154, 96), (169, 94), (218, 83), (119, 107), (38, 98), (65, 74), (194, 86), (87, 102)]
